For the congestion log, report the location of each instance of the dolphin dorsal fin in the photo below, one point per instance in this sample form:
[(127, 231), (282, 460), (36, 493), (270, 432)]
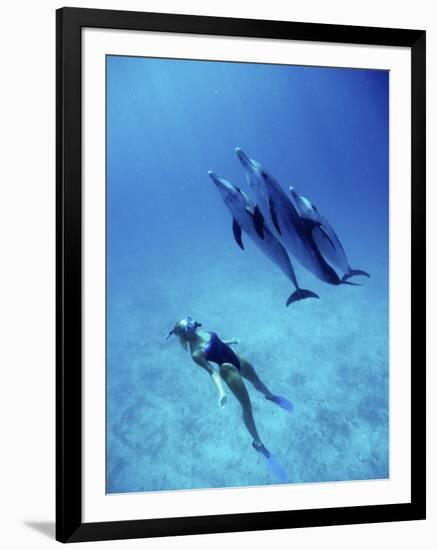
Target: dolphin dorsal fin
[(258, 222), (236, 229)]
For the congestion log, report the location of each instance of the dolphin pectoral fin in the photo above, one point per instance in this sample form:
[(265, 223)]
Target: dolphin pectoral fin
[(258, 222), (344, 281), (236, 229), (353, 273), (322, 229), (317, 230), (274, 216), (300, 294)]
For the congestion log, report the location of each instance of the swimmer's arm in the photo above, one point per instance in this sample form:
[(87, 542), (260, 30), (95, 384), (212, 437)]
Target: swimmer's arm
[(200, 359), (233, 341)]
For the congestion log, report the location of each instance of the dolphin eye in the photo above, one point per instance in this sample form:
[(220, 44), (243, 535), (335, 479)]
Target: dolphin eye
[(238, 189)]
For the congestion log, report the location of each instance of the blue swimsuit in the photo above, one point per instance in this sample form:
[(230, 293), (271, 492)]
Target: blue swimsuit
[(219, 352)]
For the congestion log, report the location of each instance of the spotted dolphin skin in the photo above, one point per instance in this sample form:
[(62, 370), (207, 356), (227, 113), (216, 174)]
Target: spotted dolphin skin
[(326, 238), (295, 232), (242, 211)]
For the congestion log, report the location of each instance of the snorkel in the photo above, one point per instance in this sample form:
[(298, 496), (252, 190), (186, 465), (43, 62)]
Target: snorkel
[(185, 327)]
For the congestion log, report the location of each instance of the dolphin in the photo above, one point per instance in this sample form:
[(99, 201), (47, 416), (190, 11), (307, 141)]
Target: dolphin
[(326, 238), (242, 210), (295, 232)]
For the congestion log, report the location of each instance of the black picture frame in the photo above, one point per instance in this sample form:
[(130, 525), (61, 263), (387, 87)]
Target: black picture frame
[(69, 524)]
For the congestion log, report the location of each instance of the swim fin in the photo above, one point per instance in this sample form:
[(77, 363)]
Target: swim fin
[(282, 402), (300, 294), (277, 469), (273, 463)]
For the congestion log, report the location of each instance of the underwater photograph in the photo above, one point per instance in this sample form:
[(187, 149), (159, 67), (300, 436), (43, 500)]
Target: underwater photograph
[(247, 274)]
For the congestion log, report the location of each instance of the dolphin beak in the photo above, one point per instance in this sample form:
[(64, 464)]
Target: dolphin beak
[(218, 182), (243, 158), (214, 177), (225, 188)]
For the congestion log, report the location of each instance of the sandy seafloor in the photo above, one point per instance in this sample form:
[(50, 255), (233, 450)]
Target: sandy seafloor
[(171, 253)]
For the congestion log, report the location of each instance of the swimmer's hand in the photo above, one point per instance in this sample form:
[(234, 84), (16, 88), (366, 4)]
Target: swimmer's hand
[(223, 400)]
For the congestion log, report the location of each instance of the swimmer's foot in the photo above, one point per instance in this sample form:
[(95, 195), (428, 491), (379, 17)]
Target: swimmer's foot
[(281, 401), (259, 447)]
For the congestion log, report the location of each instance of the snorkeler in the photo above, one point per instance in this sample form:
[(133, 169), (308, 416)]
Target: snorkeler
[(206, 347)]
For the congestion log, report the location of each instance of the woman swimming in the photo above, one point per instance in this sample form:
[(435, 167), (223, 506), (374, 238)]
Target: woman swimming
[(206, 347)]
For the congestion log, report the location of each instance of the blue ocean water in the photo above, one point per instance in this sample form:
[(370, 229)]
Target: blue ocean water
[(171, 253)]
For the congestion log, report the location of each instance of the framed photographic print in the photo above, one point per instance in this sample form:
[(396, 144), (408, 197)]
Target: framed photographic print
[(240, 274)]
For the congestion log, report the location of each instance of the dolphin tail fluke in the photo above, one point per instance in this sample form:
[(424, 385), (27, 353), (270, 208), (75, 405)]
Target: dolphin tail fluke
[(300, 294), (354, 273)]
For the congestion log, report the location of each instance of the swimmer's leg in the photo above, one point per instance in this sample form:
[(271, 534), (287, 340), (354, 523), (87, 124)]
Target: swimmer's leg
[(249, 373), (231, 376)]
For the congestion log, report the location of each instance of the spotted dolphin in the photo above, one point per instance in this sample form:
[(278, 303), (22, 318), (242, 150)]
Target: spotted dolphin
[(242, 210), (325, 237), (295, 232)]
